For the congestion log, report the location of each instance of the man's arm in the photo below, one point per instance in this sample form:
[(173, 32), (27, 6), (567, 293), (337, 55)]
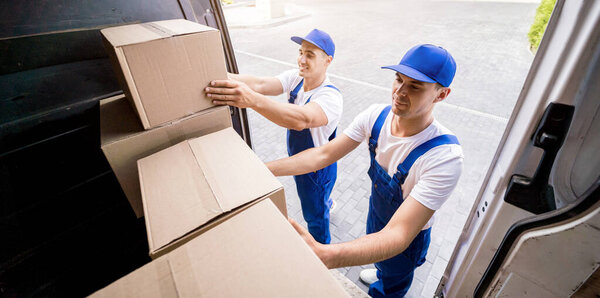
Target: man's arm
[(393, 239), (313, 159), (263, 85), (291, 116)]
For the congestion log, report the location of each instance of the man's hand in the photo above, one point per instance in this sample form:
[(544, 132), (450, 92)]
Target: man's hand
[(318, 248), (231, 92)]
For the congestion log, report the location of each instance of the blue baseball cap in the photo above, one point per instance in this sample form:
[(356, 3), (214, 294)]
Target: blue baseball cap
[(427, 63), (320, 39)]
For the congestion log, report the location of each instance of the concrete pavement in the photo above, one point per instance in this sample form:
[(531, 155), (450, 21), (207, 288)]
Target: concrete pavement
[(488, 41)]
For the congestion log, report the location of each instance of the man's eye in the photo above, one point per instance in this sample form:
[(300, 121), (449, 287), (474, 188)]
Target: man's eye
[(414, 87)]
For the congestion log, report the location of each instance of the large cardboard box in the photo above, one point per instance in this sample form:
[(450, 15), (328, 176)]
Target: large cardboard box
[(190, 187), (164, 66), (256, 253), (124, 141)]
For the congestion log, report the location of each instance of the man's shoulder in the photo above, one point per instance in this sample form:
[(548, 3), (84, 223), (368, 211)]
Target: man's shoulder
[(375, 110), (328, 89), (328, 95), (444, 153), (371, 112), (291, 73), (366, 119), (443, 150), (440, 129), (289, 76)]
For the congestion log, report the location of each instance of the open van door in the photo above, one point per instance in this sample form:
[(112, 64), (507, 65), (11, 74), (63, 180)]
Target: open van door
[(534, 230)]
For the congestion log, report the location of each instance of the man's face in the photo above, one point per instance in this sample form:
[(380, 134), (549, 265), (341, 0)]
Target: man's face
[(312, 61), (412, 98)]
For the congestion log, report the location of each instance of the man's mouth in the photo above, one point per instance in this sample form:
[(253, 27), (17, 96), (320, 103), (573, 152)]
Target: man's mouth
[(400, 103)]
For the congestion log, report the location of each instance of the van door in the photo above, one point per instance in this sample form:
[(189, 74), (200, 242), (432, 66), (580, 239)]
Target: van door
[(534, 230)]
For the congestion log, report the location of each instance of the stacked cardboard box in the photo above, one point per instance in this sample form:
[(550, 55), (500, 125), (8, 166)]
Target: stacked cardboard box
[(214, 213), (164, 66), (256, 253), (124, 140), (196, 184)]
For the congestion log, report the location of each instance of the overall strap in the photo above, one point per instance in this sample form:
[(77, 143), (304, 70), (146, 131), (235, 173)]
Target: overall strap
[(334, 87), (294, 92), (405, 166), (330, 86), (332, 136), (376, 129)]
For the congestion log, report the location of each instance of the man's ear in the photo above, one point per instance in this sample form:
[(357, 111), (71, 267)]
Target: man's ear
[(442, 94), (328, 60)]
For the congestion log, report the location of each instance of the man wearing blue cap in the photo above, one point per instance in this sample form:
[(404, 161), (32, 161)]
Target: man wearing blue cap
[(415, 165), (311, 115)]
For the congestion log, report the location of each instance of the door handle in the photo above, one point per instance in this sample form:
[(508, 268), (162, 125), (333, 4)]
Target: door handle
[(534, 194)]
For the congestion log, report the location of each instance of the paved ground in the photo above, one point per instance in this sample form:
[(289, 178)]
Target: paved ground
[(488, 41)]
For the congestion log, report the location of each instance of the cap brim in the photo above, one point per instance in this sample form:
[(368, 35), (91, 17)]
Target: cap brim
[(410, 72), (299, 40)]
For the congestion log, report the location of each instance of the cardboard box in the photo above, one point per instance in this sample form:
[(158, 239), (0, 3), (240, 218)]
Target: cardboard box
[(124, 141), (190, 187), (256, 253), (164, 66)]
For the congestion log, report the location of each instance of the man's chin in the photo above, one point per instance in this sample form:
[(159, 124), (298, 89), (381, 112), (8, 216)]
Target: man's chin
[(397, 111)]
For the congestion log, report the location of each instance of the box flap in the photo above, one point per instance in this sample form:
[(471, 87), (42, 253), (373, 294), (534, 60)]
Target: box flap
[(131, 34), (112, 128), (181, 27), (138, 33), (187, 185), (177, 197), (236, 175)]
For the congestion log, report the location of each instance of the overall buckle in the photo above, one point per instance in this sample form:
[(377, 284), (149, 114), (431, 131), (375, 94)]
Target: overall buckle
[(401, 174), (372, 144)]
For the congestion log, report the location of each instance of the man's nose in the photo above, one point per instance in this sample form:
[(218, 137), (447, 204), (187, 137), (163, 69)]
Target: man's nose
[(401, 90)]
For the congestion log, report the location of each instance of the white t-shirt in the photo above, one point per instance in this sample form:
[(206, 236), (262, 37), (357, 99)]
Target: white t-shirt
[(432, 177), (329, 99)]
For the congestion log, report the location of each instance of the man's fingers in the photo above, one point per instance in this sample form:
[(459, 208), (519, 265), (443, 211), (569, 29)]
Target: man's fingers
[(221, 97), (300, 229), (224, 102), (212, 90), (223, 83)]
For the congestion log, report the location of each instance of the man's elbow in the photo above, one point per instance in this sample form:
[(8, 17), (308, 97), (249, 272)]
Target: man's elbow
[(299, 124), (258, 88), (396, 238)]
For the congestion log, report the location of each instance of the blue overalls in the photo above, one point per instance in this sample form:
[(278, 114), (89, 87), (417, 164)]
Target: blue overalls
[(313, 188), (395, 274)]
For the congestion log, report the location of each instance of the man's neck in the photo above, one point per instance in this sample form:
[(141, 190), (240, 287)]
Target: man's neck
[(405, 127), (311, 83)]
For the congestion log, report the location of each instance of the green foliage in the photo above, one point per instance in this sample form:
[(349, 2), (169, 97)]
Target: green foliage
[(538, 27)]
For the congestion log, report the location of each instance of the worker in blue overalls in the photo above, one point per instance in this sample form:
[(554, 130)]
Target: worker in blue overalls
[(311, 115), (415, 165)]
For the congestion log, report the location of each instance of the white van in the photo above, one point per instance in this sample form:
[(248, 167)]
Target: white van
[(534, 230)]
